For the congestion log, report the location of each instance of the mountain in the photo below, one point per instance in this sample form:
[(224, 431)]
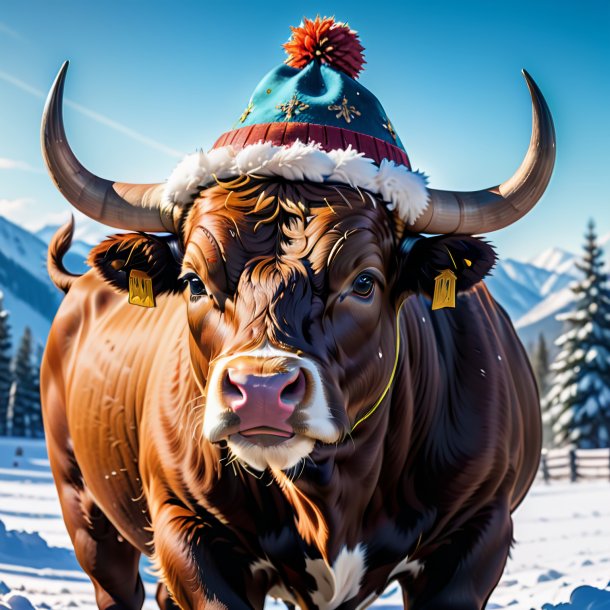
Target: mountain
[(79, 249), (554, 259), (535, 291), (542, 319), (522, 287), (29, 295)]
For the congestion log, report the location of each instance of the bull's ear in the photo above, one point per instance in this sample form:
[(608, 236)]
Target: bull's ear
[(160, 257), (423, 259)]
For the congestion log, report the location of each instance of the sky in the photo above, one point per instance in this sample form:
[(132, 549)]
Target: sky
[(152, 81)]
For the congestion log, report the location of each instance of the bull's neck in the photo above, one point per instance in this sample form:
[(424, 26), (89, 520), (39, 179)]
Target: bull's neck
[(348, 483)]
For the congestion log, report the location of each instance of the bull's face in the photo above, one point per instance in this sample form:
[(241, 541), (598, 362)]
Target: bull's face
[(286, 305), (291, 295)]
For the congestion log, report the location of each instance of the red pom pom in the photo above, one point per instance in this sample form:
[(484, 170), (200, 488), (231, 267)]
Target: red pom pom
[(328, 41)]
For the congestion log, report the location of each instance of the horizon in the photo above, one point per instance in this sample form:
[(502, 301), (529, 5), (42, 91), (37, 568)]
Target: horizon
[(141, 91)]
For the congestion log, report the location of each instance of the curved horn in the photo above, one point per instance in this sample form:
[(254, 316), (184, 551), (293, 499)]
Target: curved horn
[(494, 208), (137, 207)]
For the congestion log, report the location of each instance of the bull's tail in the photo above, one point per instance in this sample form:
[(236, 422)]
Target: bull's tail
[(60, 244)]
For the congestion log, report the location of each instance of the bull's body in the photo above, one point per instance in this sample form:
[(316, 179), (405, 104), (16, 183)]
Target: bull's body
[(422, 494), (291, 419)]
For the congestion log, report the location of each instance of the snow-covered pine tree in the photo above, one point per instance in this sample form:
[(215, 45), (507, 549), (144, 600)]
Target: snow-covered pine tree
[(5, 364), (26, 404), (578, 403)]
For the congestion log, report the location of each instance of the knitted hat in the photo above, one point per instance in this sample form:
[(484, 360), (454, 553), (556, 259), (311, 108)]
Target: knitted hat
[(310, 119)]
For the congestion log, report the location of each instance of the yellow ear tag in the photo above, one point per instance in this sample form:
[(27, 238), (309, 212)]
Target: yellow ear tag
[(468, 262), (444, 289), (141, 289)]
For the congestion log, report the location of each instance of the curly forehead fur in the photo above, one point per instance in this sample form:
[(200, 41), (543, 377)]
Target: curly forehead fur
[(293, 221)]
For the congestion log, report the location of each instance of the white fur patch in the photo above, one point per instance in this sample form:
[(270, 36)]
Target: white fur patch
[(413, 568), (403, 190), (341, 582), (279, 457)]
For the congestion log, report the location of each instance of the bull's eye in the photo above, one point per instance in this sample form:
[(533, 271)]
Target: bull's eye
[(363, 285), (196, 286)]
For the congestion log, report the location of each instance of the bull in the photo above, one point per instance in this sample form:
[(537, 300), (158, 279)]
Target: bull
[(290, 419)]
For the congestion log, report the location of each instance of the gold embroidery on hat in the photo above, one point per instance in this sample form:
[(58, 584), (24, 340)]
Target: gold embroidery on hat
[(246, 112), (388, 125), (345, 111), (293, 107)]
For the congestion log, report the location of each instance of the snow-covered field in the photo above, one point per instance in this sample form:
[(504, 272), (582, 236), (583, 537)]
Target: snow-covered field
[(562, 532)]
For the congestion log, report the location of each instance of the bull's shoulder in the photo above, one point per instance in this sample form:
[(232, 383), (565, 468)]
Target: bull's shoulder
[(476, 313), (474, 394), (96, 324)]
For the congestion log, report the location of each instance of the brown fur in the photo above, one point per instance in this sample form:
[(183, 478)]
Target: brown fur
[(434, 473)]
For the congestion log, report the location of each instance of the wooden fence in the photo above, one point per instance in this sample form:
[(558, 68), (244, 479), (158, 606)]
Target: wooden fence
[(569, 464)]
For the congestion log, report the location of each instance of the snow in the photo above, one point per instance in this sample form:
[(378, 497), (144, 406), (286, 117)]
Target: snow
[(553, 259), (562, 548), (548, 307)]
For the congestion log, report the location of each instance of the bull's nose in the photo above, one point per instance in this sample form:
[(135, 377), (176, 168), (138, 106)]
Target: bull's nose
[(264, 403)]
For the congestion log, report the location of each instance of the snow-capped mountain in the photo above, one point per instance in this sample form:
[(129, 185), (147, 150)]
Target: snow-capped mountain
[(518, 286), (78, 248), (28, 294), (534, 292)]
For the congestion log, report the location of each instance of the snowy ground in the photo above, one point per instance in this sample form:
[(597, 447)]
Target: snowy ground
[(562, 532)]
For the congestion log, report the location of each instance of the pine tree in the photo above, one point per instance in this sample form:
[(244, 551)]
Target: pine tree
[(541, 364), (578, 403), (37, 427), (541, 367), (25, 407), (5, 365)]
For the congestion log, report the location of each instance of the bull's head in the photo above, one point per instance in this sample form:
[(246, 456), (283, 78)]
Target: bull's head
[(292, 287)]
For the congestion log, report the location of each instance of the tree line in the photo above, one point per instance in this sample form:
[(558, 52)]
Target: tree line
[(20, 412), (575, 387)]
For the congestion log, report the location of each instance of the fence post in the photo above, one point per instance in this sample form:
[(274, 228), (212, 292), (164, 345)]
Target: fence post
[(545, 468), (573, 466)]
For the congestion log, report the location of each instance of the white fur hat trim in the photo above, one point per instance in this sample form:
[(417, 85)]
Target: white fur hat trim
[(403, 190)]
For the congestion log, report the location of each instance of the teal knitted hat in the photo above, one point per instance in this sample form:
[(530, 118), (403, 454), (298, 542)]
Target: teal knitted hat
[(310, 119), (314, 96)]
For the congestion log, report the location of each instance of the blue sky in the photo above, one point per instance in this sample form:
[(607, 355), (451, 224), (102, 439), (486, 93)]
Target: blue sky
[(151, 81)]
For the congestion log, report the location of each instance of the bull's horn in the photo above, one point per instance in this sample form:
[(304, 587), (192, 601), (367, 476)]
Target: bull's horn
[(137, 207), (500, 206)]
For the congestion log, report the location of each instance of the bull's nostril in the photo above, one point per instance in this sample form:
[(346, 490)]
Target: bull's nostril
[(294, 392), (232, 389)]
